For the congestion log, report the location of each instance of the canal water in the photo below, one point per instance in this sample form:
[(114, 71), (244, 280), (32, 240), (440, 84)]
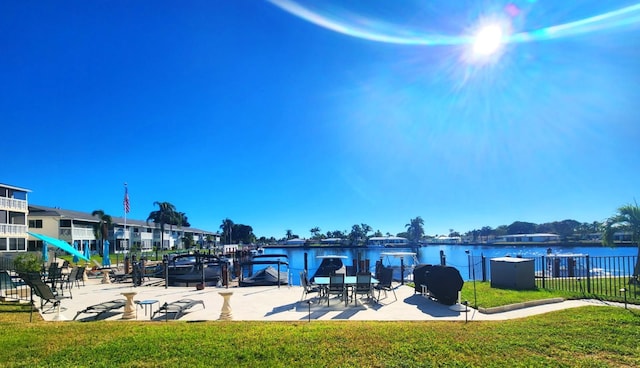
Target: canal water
[(454, 255)]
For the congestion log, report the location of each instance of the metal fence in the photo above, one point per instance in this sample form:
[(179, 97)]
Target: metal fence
[(598, 276)]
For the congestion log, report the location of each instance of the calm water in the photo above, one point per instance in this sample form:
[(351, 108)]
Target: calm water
[(454, 255)]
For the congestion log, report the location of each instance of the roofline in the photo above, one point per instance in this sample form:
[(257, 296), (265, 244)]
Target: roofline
[(15, 188), (118, 221)]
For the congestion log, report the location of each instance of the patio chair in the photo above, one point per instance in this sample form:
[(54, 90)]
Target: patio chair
[(80, 275), (177, 307), (336, 287), (386, 279), (54, 276), (362, 287), (70, 279), (102, 308), (45, 293), (307, 287)]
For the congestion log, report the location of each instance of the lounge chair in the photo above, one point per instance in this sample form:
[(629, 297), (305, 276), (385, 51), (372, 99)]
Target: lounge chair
[(44, 292), (177, 307), (102, 308)]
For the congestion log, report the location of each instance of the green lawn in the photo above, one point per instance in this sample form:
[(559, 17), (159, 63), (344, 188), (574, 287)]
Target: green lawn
[(579, 337)]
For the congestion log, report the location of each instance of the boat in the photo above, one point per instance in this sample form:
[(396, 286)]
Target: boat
[(387, 242), (331, 264), (402, 264), (265, 270), (192, 269)]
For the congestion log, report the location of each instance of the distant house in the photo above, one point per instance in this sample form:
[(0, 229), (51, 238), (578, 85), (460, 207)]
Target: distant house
[(14, 210), (528, 238), (446, 240), (295, 241), (388, 242), (333, 241)]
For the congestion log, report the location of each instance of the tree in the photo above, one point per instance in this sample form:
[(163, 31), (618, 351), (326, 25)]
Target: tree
[(101, 229), (244, 234), (289, 234), (314, 232), (358, 234), (183, 220), (227, 230), (521, 227), (626, 220), (415, 229), (166, 214)]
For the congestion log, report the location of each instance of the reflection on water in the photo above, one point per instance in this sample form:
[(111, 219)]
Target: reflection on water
[(455, 255)]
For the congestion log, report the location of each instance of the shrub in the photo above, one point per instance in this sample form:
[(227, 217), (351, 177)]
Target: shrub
[(27, 263)]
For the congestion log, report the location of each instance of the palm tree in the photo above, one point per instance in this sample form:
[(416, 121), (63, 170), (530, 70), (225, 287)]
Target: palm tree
[(166, 214), (415, 229), (628, 220), (314, 232), (101, 229), (289, 234), (227, 229)]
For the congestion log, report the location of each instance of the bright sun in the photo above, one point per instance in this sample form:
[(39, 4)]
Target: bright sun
[(488, 40)]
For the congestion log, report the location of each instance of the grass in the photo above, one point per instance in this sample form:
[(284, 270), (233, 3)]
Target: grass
[(488, 297), (588, 336)]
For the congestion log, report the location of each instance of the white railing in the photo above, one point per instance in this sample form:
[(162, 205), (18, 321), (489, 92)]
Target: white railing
[(82, 233), (13, 204), (9, 229)]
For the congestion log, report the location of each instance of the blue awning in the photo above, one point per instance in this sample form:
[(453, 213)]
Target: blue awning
[(61, 244)]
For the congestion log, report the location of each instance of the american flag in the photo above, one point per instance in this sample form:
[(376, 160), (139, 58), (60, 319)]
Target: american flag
[(126, 200)]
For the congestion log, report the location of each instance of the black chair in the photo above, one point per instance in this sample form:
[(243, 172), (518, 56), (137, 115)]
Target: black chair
[(385, 284), (177, 307), (80, 276), (336, 287), (363, 287), (307, 287), (43, 291)]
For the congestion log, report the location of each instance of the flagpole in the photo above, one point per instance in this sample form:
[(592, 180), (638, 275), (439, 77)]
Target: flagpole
[(125, 205)]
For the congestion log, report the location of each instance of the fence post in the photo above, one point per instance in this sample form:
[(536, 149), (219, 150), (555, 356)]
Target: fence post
[(588, 264), (544, 271), (484, 267)]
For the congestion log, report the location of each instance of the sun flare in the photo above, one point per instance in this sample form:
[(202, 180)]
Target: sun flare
[(488, 40)]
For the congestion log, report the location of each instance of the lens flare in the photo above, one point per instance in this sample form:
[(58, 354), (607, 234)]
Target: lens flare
[(370, 29), (488, 40)]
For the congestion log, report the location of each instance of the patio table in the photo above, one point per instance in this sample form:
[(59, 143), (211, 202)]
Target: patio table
[(349, 281)]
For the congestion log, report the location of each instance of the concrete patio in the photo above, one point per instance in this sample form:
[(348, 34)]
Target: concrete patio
[(270, 303)]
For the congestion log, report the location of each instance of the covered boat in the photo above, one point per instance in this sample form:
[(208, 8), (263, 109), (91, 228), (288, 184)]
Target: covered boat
[(330, 265), (265, 270), (192, 269)]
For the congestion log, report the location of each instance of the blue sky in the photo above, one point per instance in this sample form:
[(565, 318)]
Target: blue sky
[(347, 112)]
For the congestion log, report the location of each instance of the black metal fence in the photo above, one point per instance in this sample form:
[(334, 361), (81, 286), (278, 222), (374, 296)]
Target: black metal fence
[(598, 276)]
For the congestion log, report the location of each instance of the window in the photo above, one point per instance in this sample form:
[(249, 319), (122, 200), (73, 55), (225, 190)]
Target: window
[(35, 224), (3, 243), (16, 244), (65, 223)]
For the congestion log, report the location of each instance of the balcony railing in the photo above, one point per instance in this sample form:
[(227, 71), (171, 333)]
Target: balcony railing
[(82, 233), (13, 230), (11, 204)]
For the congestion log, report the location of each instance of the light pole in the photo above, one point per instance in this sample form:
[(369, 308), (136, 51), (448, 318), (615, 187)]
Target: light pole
[(473, 273)]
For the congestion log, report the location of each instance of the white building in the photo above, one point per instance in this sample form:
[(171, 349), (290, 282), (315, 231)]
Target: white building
[(14, 211), (75, 226), (528, 238)]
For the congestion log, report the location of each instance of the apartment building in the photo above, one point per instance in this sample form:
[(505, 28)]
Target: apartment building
[(14, 211)]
